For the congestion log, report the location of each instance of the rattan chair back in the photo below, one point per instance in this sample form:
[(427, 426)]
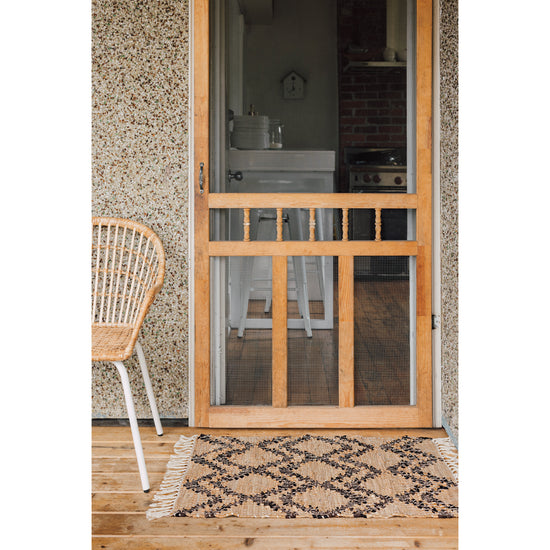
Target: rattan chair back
[(128, 265)]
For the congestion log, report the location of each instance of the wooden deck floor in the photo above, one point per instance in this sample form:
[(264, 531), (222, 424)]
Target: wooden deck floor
[(119, 506)]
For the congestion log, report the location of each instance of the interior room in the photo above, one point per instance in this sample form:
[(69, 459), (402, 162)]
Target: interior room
[(314, 97)]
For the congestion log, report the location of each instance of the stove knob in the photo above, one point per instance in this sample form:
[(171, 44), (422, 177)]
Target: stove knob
[(376, 178), (398, 180), (366, 178)]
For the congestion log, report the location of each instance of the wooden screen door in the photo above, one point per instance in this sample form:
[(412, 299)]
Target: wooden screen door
[(271, 359)]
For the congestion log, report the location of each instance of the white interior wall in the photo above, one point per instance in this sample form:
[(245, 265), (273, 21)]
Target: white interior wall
[(302, 37)]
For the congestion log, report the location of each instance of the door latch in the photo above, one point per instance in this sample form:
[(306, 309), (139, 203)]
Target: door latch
[(235, 175), (436, 322), (201, 177)]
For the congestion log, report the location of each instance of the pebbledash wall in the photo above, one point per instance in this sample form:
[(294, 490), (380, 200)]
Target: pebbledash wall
[(140, 142), (448, 44)]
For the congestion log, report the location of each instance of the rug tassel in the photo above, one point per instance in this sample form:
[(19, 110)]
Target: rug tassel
[(449, 453), (165, 499)]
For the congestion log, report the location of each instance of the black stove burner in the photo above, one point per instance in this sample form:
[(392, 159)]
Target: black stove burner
[(390, 156)]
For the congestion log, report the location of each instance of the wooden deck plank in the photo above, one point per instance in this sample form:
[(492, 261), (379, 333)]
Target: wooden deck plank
[(106, 503), (125, 449), (121, 524), (171, 435), (115, 465), (123, 481), (272, 543), (147, 433)]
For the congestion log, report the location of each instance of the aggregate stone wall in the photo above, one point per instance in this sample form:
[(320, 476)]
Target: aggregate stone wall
[(140, 106), (449, 213)]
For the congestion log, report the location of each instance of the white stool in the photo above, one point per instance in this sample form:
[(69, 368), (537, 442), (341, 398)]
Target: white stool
[(263, 225)]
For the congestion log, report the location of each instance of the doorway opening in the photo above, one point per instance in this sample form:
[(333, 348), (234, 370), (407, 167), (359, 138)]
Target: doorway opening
[(315, 224)]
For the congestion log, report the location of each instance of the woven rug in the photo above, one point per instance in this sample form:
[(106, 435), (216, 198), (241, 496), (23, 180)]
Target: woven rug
[(309, 476)]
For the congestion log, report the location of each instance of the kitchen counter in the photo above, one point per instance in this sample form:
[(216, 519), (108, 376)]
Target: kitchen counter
[(274, 160)]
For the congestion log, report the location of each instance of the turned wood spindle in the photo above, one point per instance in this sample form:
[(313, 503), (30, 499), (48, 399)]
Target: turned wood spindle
[(246, 225), (345, 224), (312, 224), (279, 224), (378, 224)]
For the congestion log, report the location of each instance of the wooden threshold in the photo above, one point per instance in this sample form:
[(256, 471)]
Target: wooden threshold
[(394, 416)]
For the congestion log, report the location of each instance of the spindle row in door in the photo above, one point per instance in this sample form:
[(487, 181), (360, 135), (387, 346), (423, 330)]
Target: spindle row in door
[(346, 414)]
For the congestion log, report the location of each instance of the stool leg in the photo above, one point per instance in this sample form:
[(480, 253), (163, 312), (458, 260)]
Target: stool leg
[(269, 295), (133, 425), (266, 230), (320, 259), (148, 387), (299, 262), (259, 227), (321, 275), (302, 290), (246, 281)]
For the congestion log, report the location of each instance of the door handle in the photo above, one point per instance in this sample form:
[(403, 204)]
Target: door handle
[(201, 177), (235, 175)]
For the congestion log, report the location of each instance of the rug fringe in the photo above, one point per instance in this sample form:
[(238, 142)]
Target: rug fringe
[(449, 453), (165, 499)]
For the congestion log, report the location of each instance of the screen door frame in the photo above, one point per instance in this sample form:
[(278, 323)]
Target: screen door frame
[(345, 414)]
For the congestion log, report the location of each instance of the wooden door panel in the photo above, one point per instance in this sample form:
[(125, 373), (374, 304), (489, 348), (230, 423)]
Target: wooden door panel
[(279, 414)]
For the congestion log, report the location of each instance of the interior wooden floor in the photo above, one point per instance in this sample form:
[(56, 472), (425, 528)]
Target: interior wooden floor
[(382, 352), (119, 506)]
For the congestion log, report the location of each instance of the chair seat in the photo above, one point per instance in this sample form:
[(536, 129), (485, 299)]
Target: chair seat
[(112, 343)]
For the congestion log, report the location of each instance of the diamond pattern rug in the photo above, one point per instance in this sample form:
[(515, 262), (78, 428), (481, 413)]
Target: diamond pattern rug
[(309, 476)]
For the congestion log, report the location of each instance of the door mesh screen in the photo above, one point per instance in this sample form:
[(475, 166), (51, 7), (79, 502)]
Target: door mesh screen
[(242, 341), (241, 331), (382, 304), (313, 345)]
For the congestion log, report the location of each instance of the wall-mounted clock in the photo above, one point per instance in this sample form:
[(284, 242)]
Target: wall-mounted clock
[(293, 86)]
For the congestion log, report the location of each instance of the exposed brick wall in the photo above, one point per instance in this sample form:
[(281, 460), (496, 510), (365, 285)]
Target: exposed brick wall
[(373, 108), (372, 103)]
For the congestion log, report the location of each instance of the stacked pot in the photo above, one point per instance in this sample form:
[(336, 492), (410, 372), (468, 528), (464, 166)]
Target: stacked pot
[(250, 132)]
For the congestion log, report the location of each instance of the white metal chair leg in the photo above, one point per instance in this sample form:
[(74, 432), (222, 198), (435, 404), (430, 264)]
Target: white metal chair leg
[(133, 425), (148, 387)]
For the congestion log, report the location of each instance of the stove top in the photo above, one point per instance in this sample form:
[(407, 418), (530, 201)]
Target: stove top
[(381, 169), (376, 156)]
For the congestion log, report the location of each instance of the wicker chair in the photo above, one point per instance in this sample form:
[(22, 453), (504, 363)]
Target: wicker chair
[(127, 273)]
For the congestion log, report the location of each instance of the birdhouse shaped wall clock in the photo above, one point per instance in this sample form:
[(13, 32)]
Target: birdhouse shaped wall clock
[(293, 86)]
